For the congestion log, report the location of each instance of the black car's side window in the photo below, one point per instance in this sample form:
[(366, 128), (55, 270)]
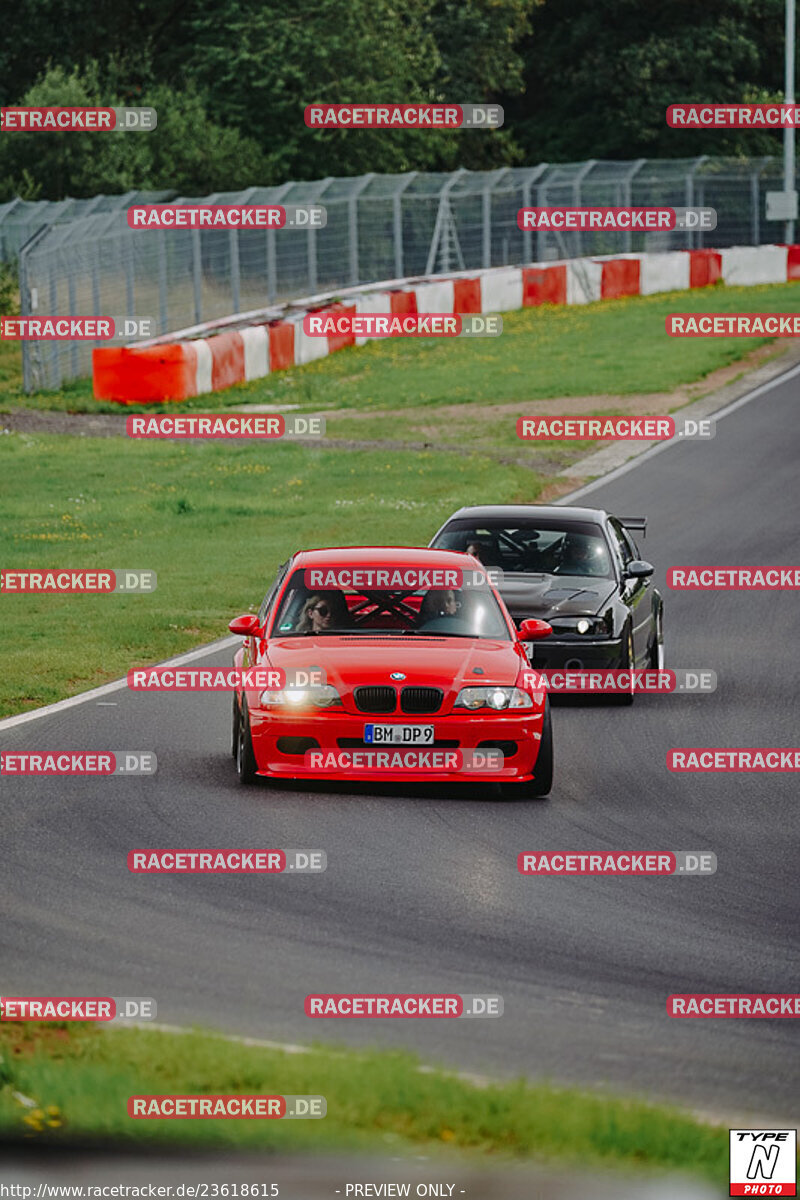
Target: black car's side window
[(631, 544), (619, 542)]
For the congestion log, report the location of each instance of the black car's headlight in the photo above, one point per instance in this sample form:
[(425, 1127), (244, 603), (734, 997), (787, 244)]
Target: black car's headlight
[(497, 698), (584, 626), (320, 696)]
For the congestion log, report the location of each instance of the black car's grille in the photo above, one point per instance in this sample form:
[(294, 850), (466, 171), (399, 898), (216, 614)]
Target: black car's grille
[(421, 699), (375, 699)]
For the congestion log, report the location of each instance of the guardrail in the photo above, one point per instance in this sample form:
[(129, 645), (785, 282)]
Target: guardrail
[(217, 354)]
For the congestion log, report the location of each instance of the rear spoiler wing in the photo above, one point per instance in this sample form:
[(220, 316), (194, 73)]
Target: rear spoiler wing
[(637, 523)]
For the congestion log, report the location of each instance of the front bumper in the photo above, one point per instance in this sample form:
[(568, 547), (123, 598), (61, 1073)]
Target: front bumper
[(280, 741), (577, 653)]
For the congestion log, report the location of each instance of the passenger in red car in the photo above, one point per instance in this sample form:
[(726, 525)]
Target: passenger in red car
[(439, 602)]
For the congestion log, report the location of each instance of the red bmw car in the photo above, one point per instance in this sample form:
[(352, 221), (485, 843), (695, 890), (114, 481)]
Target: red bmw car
[(389, 663)]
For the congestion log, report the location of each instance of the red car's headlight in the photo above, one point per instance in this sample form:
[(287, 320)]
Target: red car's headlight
[(498, 698), (320, 696)]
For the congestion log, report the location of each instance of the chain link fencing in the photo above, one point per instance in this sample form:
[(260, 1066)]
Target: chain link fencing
[(20, 219), (80, 258)]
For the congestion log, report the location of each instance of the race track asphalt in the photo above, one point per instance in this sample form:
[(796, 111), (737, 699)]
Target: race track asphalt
[(422, 890)]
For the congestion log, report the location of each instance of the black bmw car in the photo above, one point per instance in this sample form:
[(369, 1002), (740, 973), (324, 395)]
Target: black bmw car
[(579, 569)]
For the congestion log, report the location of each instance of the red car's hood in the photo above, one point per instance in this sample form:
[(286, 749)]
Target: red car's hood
[(353, 661)]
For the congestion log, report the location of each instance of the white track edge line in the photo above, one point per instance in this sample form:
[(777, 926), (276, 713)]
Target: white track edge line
[(638, 459), (108, 688)]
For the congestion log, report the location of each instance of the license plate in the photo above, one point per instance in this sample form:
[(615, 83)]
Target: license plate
[(398, 735)]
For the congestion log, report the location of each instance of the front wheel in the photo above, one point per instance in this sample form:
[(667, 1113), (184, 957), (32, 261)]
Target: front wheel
[(246, 766), (656, 656), (235, 728), (542, 780), (628, 662)]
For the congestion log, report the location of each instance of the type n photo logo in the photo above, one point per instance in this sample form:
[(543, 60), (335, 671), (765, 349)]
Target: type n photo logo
[(763, 1162)]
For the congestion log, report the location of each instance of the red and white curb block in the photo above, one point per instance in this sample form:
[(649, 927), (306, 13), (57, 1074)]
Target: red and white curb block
[(210, 357)]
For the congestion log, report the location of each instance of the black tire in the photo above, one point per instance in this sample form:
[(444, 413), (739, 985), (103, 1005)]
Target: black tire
[(235, 728), (656, 657), (625, 699), (246, 766), (542, 781)]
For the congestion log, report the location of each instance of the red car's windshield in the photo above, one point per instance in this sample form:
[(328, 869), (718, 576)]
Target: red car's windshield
[(470, 612)]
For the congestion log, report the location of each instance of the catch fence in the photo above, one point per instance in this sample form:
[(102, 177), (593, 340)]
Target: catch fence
[(81, 258)]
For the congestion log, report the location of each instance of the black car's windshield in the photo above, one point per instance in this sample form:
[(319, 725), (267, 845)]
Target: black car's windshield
[(469, 612), (532, 547)]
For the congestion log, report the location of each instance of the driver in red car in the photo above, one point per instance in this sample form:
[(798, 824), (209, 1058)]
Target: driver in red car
[(323, 611)]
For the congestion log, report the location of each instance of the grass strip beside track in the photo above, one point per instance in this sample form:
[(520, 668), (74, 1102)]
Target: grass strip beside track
[(612, 347), (79, 1078)]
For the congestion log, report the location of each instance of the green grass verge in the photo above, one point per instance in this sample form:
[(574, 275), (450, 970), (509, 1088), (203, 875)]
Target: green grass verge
[(611, 347), (80, 1078), (213, 519)]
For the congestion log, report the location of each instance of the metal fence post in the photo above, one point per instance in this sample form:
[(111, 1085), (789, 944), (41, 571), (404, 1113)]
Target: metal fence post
[(162, 282), (486, 204), (272, 258), (95, 282), (576, 194), (352, 226), (527, 239), (541, 244), (25, 309), (55, 348), (627, 192), (755, 194), (701, 199), (689, 193), (29, 303), (130, 278), (272, 273), (73, 346), (197, 276), (397, 224), (527, 235), (233, 243), (488, 194), (95, 285), (352, 237), (397, 235), (319, 191)]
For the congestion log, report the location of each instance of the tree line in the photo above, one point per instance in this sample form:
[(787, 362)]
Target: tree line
[(230, 79)]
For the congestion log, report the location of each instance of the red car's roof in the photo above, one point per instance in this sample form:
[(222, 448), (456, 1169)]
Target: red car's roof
[(402, 556)]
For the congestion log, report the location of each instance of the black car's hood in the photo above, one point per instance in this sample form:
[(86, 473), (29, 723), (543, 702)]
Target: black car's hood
[(546, 596)]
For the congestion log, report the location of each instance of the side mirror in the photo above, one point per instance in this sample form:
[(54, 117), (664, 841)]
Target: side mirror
[(532, 630), (638, 569), (246, 626)]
